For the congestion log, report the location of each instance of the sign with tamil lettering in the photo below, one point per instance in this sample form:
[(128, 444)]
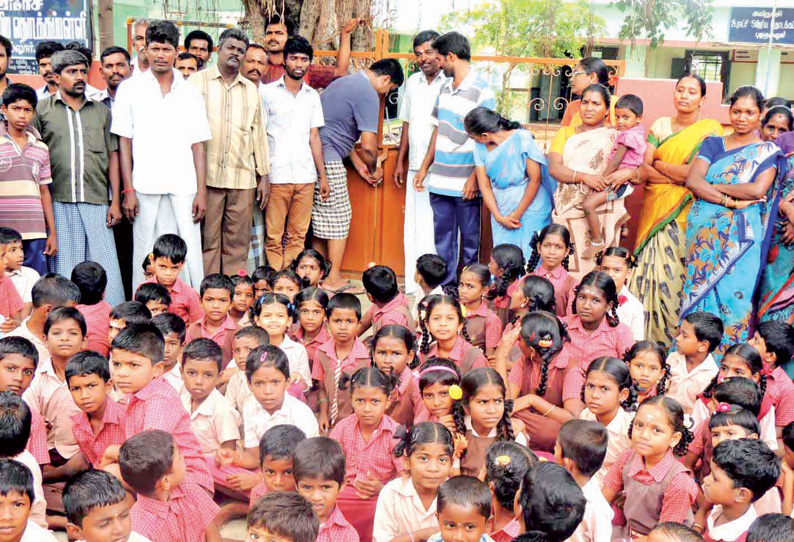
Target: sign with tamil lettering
[(29, 22), (753, 25)]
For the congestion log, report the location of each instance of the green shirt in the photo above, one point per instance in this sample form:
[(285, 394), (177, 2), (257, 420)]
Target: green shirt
[(80, 144)]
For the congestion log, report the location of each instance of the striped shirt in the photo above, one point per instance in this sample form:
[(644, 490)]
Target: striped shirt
[(22, 174), (454, 158), (238, 151)]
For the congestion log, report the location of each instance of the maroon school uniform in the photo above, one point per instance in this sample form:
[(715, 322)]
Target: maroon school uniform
[(405, 399), (563, 286), (465, 356), (483, 327), (328, 369)]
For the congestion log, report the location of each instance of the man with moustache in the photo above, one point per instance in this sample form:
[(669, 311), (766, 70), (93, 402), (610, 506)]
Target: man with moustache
[(44, 52), (199, 44), (5, 59), (140, 64), (254, 64), (294, 118), (421, 93), (237, 155), (115, 63), (318, 77), (162, 122), (85, 165)]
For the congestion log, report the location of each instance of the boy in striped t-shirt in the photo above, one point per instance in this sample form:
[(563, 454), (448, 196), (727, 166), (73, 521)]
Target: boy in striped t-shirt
[(453, 187), (25, 201)]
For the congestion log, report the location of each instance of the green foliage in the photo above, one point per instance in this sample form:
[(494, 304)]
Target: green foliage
[(651, 18)]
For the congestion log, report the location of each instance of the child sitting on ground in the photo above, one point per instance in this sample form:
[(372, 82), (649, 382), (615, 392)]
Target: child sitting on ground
[(15, 420), (16, 493), (101, 422), (216, 298), (692, 366), (168, 257), (23, 277), (431, 270), (464, 505), (152, 464), (263, 277), (741, 472), (173, 330), (91, 278), (245, 340), (283, 516), (124, 314), (389, 305), (627, 153), (506, 464), (581, 448), (771, 528), (155, 297), (668, 531), (319, 472), (97, 509)]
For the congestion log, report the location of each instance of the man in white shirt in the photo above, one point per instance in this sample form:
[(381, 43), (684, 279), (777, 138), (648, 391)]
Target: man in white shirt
[(421, 93), (161, 120), (140, 64), (44, 52), (294, 117)]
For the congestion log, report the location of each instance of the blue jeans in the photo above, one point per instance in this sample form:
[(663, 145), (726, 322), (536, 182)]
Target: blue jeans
[(34, 255), (451, 216)]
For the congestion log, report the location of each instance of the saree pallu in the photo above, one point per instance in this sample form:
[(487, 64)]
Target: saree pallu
[(776, 292), (659, 276), (587, 152), (726, 248)]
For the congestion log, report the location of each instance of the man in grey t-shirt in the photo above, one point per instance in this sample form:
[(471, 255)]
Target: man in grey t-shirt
[(350, 106)]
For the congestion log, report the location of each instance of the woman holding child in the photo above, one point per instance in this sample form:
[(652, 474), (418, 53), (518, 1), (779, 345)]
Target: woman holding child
[(577, 159), (735, 183), (673, 143)]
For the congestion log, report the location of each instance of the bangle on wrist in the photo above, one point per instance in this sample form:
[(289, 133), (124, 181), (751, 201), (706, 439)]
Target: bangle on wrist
[(549, 411), (128, 190), (574, 176)]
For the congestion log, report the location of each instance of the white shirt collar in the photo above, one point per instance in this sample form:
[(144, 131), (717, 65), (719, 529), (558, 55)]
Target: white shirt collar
[(206, 408), (731, 530), (469, 427)]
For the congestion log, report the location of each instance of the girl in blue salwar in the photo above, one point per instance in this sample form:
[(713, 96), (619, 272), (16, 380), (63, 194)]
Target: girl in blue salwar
[(513, 178), (735, 183)]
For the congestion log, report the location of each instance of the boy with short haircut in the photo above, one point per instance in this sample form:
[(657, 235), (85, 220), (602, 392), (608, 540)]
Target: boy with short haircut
[(284, 516), (775, 342), (581, 448), (18, 362), (669, 531), (152, 464), (49, 293), (168, 257), (212, 418), (97, 509), (148, 269), (430, 273), (246, 339), (173, 329), (277, 456), (319, 472), (137, 364), (16, 495), (124, 314), (65, 330), (692, 366), (23, 277), (27, 176), (216, 291), (155, 297), (11, 305), (741, 472), (389, 305), (771, 528), (92, 280), (101, 422), (463, 505), (14, 433), (344, 349)]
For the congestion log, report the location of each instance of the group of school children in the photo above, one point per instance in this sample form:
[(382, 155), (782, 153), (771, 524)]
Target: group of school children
[(527, 407)]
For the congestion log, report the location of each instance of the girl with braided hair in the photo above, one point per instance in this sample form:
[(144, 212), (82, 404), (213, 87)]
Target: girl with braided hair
[(611, 400), (482, 324), (659, 436), (482, 415), (551, 248), (647, 361), (506, 464), (539, 380), (439, 385), (507, 265), (444, 333), (617, 262), (533, 294), (594, 328)]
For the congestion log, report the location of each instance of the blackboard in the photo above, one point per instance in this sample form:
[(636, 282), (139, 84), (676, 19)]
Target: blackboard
[(752, 25)]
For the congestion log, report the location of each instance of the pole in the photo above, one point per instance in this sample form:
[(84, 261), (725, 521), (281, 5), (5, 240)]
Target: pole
[(769, 48)]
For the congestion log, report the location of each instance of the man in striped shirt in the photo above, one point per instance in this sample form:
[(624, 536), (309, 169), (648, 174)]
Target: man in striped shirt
[(454, 196)]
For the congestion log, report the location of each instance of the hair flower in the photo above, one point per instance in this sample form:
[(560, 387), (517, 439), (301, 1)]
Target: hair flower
[(455, 392), (502, 461), (463, 310), (242, 273), (722, 407), (546, 341)]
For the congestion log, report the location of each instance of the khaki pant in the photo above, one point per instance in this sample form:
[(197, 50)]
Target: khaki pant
[(226, 233), (287, 216)]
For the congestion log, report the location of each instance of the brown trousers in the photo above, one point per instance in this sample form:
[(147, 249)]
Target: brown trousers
[(224, 238), (287, 217)]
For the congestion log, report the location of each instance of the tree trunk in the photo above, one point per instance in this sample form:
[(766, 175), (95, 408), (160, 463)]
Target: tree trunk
[(105, 18)]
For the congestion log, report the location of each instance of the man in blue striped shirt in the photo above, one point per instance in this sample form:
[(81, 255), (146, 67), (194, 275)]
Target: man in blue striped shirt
[(454, 196)]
